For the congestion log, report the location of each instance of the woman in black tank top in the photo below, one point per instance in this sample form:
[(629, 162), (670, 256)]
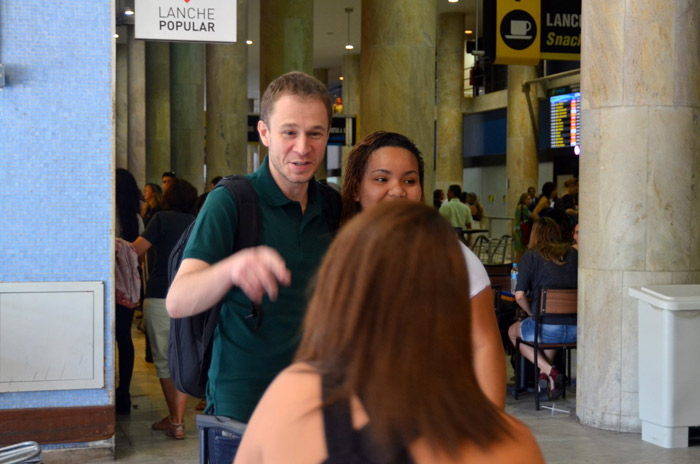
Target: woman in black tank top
[(384, 372)]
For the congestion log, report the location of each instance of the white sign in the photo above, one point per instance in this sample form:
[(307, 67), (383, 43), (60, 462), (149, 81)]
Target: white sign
[(186, 20)]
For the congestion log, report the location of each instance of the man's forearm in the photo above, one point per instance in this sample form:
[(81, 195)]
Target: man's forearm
[(198, 285), (197, 289)]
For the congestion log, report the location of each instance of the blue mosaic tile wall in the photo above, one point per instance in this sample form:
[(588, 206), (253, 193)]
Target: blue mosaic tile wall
[(56, 158)]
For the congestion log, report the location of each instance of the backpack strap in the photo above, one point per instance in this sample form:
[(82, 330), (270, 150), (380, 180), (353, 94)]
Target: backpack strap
[(249, 230)]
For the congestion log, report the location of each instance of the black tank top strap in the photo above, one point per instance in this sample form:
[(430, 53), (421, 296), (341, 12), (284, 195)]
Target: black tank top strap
[(337, 425), (344, 444)]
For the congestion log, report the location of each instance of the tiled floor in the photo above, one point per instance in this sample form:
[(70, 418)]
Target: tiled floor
[(560, 437)]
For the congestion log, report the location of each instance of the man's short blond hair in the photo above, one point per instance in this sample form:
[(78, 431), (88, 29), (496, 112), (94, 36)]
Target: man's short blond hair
[(298, 84)]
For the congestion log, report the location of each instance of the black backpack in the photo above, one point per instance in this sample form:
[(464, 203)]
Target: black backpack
[(189, 347)]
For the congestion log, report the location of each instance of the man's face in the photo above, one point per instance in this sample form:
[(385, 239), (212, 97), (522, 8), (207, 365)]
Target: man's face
[(167, 182), (296, 138), (531, 192)]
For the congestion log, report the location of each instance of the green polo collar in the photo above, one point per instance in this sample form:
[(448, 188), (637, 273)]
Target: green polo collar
[(272, 192)]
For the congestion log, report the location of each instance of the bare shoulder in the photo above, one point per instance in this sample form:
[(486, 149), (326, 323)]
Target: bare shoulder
[(297, 389), (287, 421)]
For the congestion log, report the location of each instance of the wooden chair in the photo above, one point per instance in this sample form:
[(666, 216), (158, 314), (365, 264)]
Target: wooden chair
[(559, 307), (499, 274)]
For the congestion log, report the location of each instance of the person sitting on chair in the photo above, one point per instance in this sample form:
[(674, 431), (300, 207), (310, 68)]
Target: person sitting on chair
[(548, 263)]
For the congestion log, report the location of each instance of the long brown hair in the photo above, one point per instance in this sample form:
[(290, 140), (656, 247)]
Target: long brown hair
[(546, 239), (390, 319), (357, 161)]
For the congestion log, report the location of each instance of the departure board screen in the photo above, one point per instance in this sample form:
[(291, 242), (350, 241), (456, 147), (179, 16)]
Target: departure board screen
[(565, 120)]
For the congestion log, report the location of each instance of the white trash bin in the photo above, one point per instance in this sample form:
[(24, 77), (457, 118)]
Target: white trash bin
[(669, 362)]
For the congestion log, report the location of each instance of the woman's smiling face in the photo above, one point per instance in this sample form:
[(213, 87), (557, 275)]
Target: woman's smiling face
[(392, 173)]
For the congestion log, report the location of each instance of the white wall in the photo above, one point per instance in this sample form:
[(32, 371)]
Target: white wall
[(489, 183)]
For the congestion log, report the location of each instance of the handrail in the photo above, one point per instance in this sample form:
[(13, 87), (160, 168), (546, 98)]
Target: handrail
[(26, 451), (570, 72)]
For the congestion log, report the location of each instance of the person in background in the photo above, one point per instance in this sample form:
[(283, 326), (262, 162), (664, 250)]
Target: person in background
[(456, 212), (386, 166), (575, 236), (162, 234), (200, 201), (568, 202), (475, 207), (358, 392), (128, 227), (168, 178), (521, 232), (563, 220), (549, 193), (214, 181), (152, 194), (438, 198), (532, 198), (548, 263)]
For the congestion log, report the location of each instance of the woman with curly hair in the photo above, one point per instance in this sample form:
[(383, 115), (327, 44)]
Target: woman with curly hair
[(387, 166)]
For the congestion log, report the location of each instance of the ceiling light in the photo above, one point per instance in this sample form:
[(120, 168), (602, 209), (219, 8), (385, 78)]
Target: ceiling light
[(349, 45), (341, 78), (115, 36), (453, 1), (249, 42), (128, 12), (468, 31)]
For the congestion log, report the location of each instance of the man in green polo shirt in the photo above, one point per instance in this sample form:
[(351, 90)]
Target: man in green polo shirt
[(294, 124), (454, 210)]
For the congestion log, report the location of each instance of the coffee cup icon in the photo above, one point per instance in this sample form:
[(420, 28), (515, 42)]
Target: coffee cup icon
[(519, 29)]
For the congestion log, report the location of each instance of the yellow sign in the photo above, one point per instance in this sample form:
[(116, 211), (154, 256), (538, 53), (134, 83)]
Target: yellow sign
[(517, 32)]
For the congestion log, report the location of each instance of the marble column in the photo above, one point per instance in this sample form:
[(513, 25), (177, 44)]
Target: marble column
[(121, 107), (521, 142), (187, 111), (398, 73), (157, 110), (137, 108), (639, 183), (286, 38), (351, 99), (449, 166), (322, 75), (227, 103), (351, 84)]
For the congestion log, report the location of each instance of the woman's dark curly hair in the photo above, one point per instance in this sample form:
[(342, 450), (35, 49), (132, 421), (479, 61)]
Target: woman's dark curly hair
[(357, 161)]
